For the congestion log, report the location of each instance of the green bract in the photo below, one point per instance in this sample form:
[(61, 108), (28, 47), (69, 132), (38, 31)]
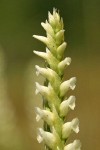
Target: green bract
[(55, 106)]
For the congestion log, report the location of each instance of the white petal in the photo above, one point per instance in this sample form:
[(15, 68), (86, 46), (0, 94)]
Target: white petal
[(41, 38), (48, 28), (36, 91), (68, 127), (66, 105), (61, 49), (64, 63), (64, 108), (43, 90), (39, 139), (51, 19), (66, 130), (41, 54), (40, 135), (60, 34), (71, 101), (46, 72), (37, 70), (75, 125), (76, 145), (66, 85), (72, 83), (46, 115), (38, 118), (48, 137), (39, 113)]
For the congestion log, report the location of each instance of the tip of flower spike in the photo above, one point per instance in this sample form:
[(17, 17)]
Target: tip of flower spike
[(55, 20), (54, 10)]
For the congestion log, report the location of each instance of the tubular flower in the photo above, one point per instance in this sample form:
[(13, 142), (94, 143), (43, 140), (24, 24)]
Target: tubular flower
[(55, 130)]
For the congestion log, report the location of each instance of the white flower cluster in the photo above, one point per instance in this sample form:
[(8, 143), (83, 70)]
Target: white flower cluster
[(56, 106)]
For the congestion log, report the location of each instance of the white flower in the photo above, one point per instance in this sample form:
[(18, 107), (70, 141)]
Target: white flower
[(43, 90), (45, 115), (49, 94), (47, 137), (76, 145), (66, 105), (49, 74), (68, 127), (66, 85), (64, 63), (49, 57)]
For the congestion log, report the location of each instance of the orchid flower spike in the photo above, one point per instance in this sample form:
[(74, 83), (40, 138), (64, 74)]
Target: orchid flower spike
[(55, 131)]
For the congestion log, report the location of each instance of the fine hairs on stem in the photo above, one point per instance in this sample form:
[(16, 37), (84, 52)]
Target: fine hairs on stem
[(55, 131)]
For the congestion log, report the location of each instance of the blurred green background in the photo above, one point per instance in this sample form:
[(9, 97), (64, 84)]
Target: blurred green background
[(19, 20)]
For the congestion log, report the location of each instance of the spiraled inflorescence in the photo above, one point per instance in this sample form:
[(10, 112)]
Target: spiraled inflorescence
[(55, 106)]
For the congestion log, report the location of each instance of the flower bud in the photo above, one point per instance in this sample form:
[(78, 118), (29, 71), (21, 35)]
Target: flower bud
[(41, 54), (51, 44), (48, 28), (41, 38), (51, 19), (76, 145), (56, 15), (60, 37), (60, 50), (66, 105), (68, 127)]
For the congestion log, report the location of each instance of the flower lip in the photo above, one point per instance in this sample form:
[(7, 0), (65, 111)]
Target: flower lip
[(72, 83)]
